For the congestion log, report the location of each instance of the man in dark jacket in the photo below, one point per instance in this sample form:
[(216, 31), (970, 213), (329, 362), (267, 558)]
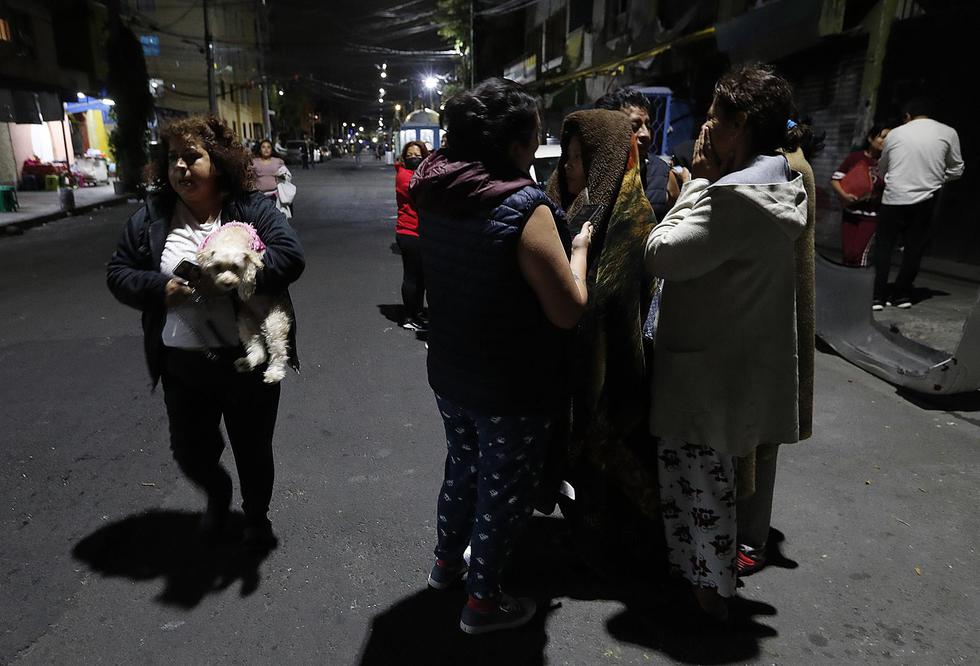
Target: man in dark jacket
[(659, 183)]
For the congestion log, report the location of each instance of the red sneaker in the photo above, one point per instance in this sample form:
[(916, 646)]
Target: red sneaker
[(750, 560)]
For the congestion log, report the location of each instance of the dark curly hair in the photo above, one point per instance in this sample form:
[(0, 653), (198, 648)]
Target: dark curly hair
[(621, 98), (485, 121), (767, 100), (421, 146), (262, 142), (236, 176)]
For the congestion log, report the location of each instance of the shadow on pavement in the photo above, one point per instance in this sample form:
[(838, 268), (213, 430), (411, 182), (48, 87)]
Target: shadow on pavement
[(920, 294), (394, 312), (957, 402), (774, 551), (166, 544), (424, 627)]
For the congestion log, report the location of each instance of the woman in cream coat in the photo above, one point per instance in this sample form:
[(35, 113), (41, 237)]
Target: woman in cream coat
[(725, 358)]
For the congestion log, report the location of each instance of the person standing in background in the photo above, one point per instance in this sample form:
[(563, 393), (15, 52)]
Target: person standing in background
[(407, 237), (858, 184), (918, 158)]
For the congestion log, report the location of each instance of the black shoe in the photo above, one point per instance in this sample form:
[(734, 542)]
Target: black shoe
[(444, 576), (903, 303), (877, 305), (259, 535)]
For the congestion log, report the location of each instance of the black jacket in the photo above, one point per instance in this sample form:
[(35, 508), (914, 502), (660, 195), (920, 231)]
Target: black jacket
[(134, 277)]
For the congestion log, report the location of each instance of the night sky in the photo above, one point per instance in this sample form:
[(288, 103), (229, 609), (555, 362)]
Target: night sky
[(335, 48)]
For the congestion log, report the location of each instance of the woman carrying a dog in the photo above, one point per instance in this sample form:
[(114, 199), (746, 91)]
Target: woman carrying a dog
[(201, 179), (502, 294)]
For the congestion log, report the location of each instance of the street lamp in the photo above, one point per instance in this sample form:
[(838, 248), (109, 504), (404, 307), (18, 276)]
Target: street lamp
[(398, 107), (360, 128), (430, 82)]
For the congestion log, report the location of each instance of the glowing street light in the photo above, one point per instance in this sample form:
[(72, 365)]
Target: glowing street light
[(360, 128), (345, 124), (381, 91), (381, 100), (430, 82), (281, 93), (398, 107), (384, 75)]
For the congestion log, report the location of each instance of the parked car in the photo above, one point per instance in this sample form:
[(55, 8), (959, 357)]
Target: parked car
[(545, 162)]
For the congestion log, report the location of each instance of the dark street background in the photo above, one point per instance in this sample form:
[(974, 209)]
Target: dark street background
[(97, 557)]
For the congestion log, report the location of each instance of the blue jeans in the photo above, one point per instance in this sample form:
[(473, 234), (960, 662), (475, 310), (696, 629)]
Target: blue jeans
[(493, 467)]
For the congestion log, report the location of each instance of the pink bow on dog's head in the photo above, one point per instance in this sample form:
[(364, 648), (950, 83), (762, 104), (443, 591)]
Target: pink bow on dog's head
[(255, 243)]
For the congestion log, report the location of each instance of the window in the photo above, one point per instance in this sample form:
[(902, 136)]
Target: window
[(554, 39)]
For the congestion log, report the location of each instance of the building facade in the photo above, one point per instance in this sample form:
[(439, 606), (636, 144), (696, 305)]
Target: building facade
[(173, 36), (49, 55), (852, 62)]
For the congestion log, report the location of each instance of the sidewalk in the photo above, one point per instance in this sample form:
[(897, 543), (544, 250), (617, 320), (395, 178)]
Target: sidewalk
[(40, 207), (827, 240)]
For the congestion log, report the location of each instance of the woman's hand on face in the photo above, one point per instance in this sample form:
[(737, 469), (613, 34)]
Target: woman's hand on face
[(705, 163), (176, 293), (584, 238)]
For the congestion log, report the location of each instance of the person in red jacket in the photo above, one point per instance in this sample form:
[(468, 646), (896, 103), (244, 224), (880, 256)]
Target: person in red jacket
[(407, 236)]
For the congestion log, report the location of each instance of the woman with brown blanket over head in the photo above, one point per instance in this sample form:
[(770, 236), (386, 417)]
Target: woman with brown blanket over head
[(609, 459)]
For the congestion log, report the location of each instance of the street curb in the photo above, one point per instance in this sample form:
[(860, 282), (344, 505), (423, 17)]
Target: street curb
[(57, 215)]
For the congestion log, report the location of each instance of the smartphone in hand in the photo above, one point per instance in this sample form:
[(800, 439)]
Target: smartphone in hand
[(188, 270)]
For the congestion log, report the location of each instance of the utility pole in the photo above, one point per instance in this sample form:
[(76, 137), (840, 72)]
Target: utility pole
[(472, 42), (264, 83), (209, 56), (879, 28)]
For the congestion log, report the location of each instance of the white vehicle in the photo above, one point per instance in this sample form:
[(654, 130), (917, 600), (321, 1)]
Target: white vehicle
[(545, 162)]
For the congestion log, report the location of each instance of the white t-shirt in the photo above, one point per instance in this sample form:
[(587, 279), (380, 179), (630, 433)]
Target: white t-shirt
[(207, 323), (919, 157)]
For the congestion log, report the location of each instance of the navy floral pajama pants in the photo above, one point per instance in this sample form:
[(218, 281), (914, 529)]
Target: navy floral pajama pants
[(493, 466)]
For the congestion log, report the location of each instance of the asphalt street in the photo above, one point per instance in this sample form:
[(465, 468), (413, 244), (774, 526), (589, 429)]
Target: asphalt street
[(99, 563)]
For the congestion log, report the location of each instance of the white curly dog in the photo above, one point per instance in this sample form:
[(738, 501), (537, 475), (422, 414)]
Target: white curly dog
[(232, 256)]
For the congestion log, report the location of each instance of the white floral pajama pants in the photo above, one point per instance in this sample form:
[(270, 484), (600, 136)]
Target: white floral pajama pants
[(697, 495)]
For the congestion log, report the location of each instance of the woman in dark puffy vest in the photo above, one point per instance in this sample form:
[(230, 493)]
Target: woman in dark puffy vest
[(502, 293)]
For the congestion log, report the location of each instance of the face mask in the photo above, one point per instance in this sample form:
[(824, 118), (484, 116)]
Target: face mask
[(413, 163)]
